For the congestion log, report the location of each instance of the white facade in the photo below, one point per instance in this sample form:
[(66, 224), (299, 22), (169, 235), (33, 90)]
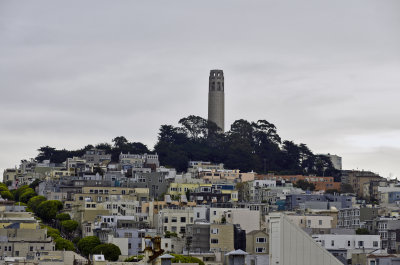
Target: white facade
[(348, 242), (247, 219), (290, 245), (311, 221)]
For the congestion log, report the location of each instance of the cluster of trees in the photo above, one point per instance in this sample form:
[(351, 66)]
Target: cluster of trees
[(246, 146), (304, 185), (120, 144), (5, 193)]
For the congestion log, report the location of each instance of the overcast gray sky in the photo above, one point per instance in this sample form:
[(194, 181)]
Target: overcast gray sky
[(326, 73)]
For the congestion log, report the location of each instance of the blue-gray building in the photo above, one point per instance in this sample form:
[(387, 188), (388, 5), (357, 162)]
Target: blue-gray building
[(294, 201)]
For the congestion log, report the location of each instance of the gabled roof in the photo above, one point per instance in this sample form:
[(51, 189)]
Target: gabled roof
[(237, 252), (256, 232)]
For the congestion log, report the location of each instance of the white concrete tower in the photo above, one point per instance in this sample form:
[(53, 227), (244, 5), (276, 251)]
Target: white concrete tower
[(216, 99)]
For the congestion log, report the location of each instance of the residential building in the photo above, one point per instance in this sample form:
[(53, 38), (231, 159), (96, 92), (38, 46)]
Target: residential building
[(350, 243), (296, 201), (95, 157), (226, 237), (174, 220), (198, 237), (321, 183), (357, 179), (257, 242), (311, 221), (356, 217)]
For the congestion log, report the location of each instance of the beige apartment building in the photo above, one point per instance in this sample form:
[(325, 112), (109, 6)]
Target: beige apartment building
[(21, 235), (222, 237), (174, 220), (311, 221), (257, 242)]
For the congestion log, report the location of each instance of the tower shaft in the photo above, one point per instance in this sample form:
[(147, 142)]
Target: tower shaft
[(216, 98)]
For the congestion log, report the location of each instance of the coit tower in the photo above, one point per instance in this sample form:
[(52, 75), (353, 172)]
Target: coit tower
[(216, 98)]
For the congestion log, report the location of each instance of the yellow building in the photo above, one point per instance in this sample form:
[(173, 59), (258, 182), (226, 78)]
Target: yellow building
[(181, 188)]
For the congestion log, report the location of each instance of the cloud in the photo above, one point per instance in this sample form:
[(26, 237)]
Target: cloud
[(325, 74)]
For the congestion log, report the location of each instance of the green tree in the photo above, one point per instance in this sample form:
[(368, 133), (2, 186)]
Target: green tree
[(185, 259), (362, 231), (69, 225), (87, 244), (110, 251), (27, 195), (34, 202), (34, 184), (331, 191), (47, 210), (18, 192), (346, 188), (305, 185), (45, 153), (134, 258), (63, 216), (7, 195), (64, 244), (169, 234), (52, 232), (3, 187)]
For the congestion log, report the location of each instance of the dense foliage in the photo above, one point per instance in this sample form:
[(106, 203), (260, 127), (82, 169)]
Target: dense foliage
[(64, 244), (110, 251), (185, 259), (63, 217), (134, 258), (87, 244), (52, 232), (246, 146), (47, 210), (362, 231), (304, 185), (34, 202), (69, 226), (121, 144)]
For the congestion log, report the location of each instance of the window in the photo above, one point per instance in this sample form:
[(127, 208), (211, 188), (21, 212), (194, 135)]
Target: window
[(215, 212), (320, 222), (129, 245), (173, 228), (183, 219), (165, 219), (375, 244), (214, 240), (174, 219), (332, 243), (183, 229), (214, 231), (260, 250), (128, 235), (360, 243), (261, 240), (198, 215), (30, 248)]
